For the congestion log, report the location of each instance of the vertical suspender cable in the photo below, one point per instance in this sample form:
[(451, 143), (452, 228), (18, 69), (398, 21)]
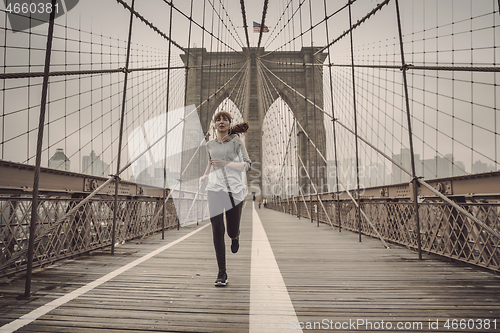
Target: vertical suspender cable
[(315, 169), (120, 140), (298, 143), (290, 148), (166, 122), (188, 53), (219, 53), (337, 194), (410, 134), (305, 109), (358, 214), (210, 70), (2, 136), (185, 104), (41, 123), (307, 123), (293, 125), (201, 93)]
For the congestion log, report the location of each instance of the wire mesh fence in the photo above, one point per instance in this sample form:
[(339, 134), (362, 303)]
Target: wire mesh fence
[(89, 228), (443, 229)]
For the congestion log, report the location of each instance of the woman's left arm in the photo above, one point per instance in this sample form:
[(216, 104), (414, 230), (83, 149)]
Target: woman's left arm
[(243, 155), (240, 166), (236, 165)]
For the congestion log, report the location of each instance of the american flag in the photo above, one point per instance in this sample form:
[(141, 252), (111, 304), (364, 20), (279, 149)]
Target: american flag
[(256, 27)]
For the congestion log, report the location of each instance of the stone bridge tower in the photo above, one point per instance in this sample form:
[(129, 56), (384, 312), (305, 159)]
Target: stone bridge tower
[(234, 71)]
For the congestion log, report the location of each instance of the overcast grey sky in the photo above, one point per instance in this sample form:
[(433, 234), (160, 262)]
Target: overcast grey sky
[(451, 115)]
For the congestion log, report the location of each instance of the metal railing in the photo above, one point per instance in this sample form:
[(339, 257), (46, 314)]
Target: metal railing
[(89, 228), (444, 230)]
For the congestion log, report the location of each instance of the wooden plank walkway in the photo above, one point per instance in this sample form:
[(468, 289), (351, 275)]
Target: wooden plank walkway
[(334, 282)]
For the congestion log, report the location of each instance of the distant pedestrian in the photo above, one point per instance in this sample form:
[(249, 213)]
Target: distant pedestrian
[(260, 201), (226, 187)]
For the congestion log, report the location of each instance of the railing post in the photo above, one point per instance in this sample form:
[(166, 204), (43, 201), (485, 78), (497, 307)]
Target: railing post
[(298, 209), (404, 68), (339, 212), (41, 123), (120, 140), (181, 204), (164, 213), (317, 208), (358, 214), (417, 216)]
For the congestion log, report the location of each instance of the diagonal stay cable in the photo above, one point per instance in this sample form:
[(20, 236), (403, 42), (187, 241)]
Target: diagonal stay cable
[(149, 24), (314, 186), (268, 97), (304, 202), (298, 155), (354, 26), (347, 191), (337, 121), (192, 157), (232, 25), (108, 181), (199, 26), (264, 12), (276, 25), (302, 33), (182, 120), (315, 189), (442, 196), (245, 25), (460, 209), (286, 24), (288, 150)]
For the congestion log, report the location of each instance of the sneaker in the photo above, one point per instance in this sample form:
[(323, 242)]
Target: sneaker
[(221, 279), (235, 245)]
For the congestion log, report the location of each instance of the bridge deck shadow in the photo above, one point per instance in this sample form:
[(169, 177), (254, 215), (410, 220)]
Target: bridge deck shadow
[(331, 278)]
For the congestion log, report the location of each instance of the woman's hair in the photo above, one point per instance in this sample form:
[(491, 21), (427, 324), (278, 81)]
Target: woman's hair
[(236, 129)]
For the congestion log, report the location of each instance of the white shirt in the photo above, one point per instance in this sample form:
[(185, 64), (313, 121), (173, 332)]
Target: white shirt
[(231, 150)]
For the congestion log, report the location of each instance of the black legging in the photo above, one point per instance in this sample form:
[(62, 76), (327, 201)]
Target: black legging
[(218, 202)]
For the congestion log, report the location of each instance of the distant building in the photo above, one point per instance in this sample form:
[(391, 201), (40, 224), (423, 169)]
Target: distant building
[(440, 167), (59, 160), (92, 165), (376, 174), (437, 167), (480, 167), (404, 159), (457, 168)]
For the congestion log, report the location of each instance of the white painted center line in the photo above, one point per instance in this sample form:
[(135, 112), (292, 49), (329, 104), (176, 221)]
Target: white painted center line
[(271, 309), (44, 309)]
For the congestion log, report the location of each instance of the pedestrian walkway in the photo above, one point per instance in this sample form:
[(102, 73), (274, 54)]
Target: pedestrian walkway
[(304, 277)]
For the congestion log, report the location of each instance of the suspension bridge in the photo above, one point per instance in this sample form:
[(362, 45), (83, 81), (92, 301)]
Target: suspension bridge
[(374, 191)]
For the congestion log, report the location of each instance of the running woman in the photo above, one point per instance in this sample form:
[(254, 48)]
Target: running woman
[(226, 187)]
